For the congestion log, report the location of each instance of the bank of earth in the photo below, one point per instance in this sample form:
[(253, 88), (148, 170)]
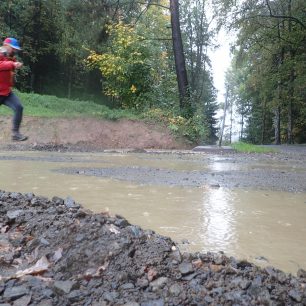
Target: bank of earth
[(85, 134)]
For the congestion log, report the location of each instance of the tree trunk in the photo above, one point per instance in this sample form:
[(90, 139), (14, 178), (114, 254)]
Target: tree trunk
[(277, 110), (179, 57), (224, 117), (291, 83), (277, 140), (242, 127), (263, 128), (231, 125)]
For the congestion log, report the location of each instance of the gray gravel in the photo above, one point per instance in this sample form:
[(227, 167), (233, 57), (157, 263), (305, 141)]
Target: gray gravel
[(280, 171), (55, 252)]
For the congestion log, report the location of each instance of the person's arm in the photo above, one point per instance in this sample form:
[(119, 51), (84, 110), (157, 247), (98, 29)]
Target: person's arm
[(7, 65)]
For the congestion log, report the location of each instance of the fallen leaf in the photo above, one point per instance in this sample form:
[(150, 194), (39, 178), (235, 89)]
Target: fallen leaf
[(41, 266), (151, 274)]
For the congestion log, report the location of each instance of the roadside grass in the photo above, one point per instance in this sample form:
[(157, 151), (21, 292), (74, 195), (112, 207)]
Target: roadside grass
[(250, 148), (51, 106)]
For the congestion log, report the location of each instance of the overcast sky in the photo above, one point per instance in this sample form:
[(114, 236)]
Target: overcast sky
[(220, 59)]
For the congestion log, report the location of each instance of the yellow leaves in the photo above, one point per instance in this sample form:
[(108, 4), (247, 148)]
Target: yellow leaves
[(164, 55), (178, 120), (133, 88), (123, 64)]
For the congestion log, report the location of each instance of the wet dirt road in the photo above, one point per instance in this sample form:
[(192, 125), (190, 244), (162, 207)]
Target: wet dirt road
[(249, 206)]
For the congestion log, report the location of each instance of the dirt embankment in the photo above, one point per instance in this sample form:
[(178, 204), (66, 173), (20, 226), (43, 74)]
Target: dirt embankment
[(54, 252), (86, 134)]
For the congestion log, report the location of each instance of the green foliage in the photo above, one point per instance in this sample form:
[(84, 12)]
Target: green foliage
[(51, 106), (198, 38), (124, 66), (269, 70), (250, 148), (133, 52), (192, 128)]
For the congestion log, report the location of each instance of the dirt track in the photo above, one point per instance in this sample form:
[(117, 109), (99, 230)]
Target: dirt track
[(284, 170)]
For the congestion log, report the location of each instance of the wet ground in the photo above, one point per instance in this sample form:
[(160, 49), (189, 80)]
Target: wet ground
[(54, 252)]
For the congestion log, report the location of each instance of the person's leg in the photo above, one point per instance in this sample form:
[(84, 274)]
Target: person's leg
[(13, 102)]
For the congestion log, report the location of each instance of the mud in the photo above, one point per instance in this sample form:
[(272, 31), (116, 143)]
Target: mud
[(282, 170), (55, 252)]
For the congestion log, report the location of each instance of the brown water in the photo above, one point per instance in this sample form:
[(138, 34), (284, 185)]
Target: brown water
[(265, 227)]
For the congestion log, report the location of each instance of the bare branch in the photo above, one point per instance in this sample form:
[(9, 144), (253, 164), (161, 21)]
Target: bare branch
[(145, 3), (298, 21)]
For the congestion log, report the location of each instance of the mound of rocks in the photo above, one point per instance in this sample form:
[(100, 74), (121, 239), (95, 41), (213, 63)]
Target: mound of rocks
[(55, 252)]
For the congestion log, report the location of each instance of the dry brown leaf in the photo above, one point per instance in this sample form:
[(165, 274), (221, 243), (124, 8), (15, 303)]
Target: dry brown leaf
[(152, 273), (41, 266)]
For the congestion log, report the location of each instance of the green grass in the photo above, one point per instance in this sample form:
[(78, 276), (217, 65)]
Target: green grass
[(250, 148), (51, 106)]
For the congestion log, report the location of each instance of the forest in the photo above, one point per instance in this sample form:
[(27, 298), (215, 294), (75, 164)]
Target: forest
[(152, 57)]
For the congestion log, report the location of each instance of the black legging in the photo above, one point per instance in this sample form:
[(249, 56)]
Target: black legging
[(13, 102)]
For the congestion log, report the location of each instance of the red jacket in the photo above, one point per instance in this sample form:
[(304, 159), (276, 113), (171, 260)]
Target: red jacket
[(7, 68)]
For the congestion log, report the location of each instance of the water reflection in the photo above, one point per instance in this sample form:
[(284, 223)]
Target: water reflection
[(243, 223), (218, 229)]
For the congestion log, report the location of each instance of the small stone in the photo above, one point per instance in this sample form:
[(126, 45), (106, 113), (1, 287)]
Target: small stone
[(158, 283), (295, 295), (29, 196), (45, 303), (122, 223), (74, 296), (142, 283), (281, 277), (70, 203), (63, 286), (215, 186), (14, 195), (175, 289), (15, 293), (13, 214), (35, 201), (111, 296), (127, 286), (159, 302), (185, 268), (44, 241), (244, 284), (79, 237), (58, 201), (301, 273), (23, 301), (176, 255), (189, 277)]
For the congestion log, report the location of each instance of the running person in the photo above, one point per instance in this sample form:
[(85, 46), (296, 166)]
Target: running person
[(8, 65)]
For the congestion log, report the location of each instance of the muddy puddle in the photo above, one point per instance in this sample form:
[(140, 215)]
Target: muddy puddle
[(263, 226)]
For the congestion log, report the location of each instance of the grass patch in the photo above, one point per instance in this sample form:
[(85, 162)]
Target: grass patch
[(52, 107), (250, 148)]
